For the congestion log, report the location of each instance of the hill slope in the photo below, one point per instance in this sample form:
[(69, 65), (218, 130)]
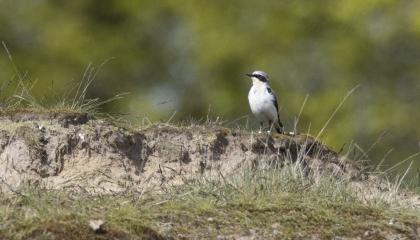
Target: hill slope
[(61, 170)]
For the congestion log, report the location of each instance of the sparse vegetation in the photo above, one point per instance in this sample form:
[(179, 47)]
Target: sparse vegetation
[(280, 204), (16, 95), (260, 200)]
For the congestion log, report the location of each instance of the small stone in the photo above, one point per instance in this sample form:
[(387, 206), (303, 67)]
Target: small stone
[(97, 226), (391, 221), (81, 136), (210, 219)]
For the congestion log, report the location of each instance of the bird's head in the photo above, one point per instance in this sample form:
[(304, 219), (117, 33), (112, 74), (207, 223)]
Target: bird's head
[(258, 76)]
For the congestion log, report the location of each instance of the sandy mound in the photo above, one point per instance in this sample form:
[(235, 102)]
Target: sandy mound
[(72, 151)]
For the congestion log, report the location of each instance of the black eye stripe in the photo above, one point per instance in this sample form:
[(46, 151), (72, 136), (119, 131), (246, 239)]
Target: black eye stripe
[(260, 77)]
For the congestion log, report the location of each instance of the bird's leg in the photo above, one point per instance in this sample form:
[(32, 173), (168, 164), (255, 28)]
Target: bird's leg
[(261, 126), (279, 130), (270, 125), (279, 127)]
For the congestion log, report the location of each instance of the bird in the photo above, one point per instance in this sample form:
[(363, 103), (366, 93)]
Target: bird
[(263, 101)]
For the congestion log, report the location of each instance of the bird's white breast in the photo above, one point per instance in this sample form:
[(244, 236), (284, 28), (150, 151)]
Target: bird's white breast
[(261, 103)]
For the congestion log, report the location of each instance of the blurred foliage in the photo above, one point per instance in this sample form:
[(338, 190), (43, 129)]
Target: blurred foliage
[(185, 56)]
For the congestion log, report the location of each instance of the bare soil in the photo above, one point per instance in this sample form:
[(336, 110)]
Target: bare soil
[(75, 151)]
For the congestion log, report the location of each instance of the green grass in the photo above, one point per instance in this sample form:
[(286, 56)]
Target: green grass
[(280, 204)]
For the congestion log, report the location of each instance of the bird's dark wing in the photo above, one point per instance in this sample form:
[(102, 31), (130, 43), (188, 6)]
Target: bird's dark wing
[(274, 98), (275, 104)]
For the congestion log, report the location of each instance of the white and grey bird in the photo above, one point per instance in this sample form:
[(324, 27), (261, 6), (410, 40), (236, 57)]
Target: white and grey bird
[(263, 101)]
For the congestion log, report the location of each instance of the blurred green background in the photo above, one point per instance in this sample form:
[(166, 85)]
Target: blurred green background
[(185, 56)]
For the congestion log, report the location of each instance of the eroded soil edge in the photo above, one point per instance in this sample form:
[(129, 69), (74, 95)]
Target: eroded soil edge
[(73, 151)]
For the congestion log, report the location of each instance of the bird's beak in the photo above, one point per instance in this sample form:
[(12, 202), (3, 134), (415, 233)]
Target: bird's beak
[(249, 74)]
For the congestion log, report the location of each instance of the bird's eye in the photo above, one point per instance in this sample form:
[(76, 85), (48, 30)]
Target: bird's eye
[(262, 78)]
